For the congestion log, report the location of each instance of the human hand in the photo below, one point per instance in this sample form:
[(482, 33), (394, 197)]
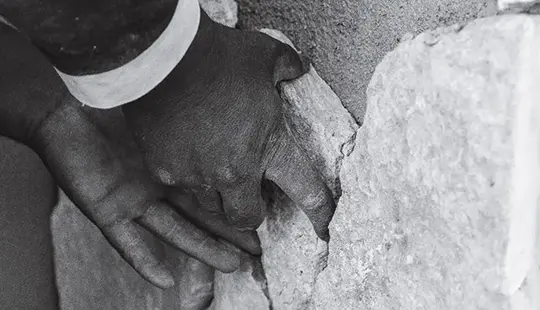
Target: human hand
[(94, 160), (216, 125)]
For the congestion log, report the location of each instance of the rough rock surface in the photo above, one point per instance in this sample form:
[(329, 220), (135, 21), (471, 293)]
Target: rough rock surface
[(293, 256), (517, 5), (245, 289), (347, 39), (221, 11), (440, 194)]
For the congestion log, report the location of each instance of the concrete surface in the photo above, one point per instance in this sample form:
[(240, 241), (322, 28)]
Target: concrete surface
[(347, 39)]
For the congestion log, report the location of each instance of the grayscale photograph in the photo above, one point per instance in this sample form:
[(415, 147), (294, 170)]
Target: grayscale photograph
[(269, 155)]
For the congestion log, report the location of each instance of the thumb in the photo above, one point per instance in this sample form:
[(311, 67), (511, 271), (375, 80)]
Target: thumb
[(243, 205), (196, 285), (289, 64)]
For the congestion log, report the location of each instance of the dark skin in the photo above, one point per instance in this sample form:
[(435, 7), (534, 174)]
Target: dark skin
[(93, 158), (222, 109), (89, 36), (211, 133)]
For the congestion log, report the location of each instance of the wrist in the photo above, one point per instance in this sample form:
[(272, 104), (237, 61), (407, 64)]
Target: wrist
[(29, 87), (203, 49), (197, 68), (139, 76)]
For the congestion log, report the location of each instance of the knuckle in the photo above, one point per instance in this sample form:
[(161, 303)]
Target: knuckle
[(276, 147), (163, 176), (172, 175), (245, 219), (121, 203), (152, 209), (316, 199), (109, 214)]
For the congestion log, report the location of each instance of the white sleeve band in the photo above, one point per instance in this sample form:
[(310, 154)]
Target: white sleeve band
[(139, 76)]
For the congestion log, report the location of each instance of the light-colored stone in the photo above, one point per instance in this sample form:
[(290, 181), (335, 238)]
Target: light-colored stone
[(241, 290), (440, 195), (222, 11), (318, 121), (293, 256), (519, 5)]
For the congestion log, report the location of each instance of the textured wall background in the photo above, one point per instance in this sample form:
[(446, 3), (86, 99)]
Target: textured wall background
[(346, 39)]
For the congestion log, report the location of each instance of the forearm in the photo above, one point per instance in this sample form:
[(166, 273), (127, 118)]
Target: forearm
[(89, 36), (107, 53)]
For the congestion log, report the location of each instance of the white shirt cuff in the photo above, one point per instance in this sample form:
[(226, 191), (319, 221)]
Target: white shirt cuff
[(139, 76)]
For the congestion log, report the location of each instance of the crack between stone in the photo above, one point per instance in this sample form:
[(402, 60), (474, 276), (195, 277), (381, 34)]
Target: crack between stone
[(346, 148), (259, 275), (358, 122)]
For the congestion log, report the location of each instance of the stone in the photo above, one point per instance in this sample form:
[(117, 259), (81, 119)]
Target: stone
[(245, 289), (517, 5), (317, 119), (347, 39), (293, 255), (439, 205), (222, 11)]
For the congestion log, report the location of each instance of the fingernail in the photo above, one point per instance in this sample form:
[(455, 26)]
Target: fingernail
[(160, 276), (255, 246), (245, 224)]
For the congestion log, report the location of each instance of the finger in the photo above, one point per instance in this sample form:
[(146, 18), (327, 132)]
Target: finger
[(218, 224), (289, 64), (292, 171), (178, 232), (196, 285), (90, 171), (125, 238), (243, 205)]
